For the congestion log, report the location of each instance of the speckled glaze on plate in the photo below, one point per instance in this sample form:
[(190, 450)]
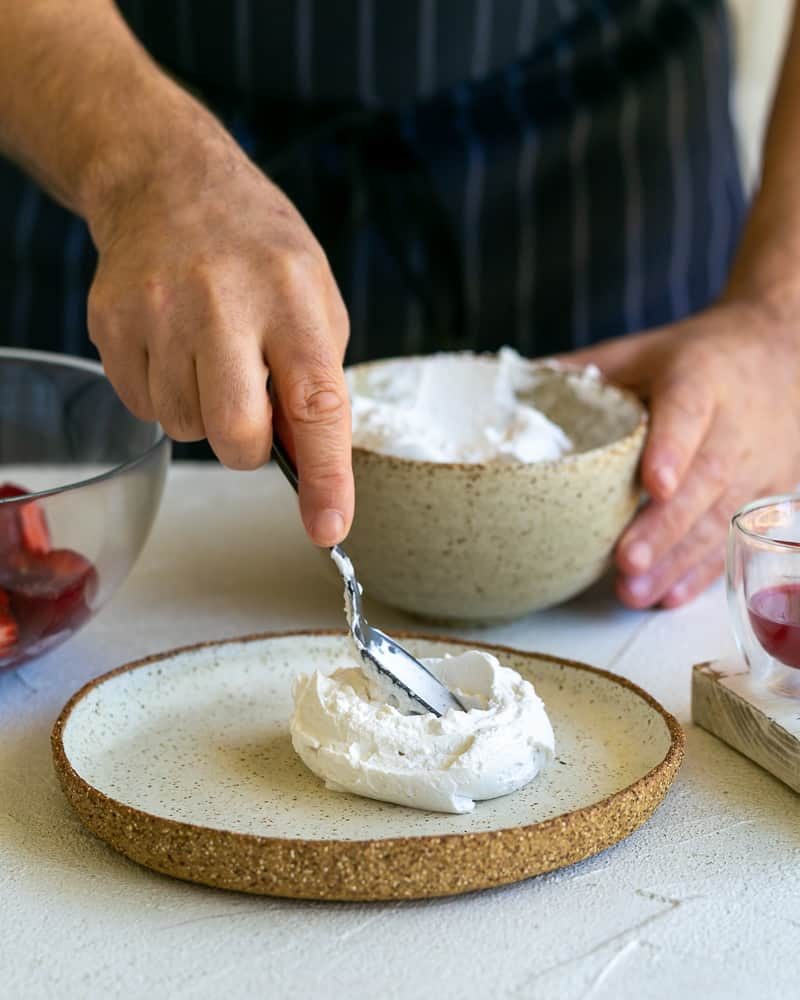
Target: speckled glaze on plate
[(184, 763)]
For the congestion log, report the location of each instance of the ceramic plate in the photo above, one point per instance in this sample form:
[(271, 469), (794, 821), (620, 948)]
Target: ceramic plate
[(183, 762)]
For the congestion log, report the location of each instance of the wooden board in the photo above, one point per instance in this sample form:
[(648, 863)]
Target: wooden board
[(760, 724)]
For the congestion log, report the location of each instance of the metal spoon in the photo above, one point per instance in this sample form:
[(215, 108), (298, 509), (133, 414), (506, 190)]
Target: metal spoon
[(399, 673)]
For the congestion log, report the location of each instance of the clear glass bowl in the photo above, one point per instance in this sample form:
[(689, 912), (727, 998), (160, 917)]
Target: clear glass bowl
[(93, 476)]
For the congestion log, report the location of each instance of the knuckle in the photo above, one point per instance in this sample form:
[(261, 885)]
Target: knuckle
[(156, 293), (711, 529), (675, 522), (219, 299), (239, 428), (181, 432), (241, 463), (180, 420), (296, 270), (316, 399), (309, 262), (684, 402), (240, 457), (207, 292), (328, 479), (206, 274), (712, 469), (341, 322)]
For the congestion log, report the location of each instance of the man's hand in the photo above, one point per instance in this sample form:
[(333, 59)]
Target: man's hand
[(208, 280), (725, 428)]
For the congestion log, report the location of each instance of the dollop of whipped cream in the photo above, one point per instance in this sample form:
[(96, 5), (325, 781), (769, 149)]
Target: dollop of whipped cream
[(346, 733), (453, 408)]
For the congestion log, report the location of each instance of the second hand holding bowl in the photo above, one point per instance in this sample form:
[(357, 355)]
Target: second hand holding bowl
[(414, 687)]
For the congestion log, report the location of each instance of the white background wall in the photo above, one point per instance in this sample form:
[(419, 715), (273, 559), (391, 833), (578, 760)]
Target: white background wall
[(760, 32)]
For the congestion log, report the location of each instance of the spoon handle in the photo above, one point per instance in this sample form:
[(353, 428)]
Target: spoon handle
[(284, 462)]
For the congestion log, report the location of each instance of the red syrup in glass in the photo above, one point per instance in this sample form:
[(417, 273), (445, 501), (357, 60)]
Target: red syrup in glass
[(775, 616), (45, 593)]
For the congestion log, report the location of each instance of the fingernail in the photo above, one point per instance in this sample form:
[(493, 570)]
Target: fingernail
[(666, 478), (639, 587), (639, 555), (327, 528)]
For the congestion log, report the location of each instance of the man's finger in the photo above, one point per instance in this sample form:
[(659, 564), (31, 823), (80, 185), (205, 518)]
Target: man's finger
[(237, 415), (664, 523), (173, 390), (681, 412), (705, 539), (695, 581), (311, 394), (128, 374)]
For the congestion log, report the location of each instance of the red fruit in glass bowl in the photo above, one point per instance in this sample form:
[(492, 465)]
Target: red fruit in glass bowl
[(9, 630), (41, 617), (45, 593), (22, 524), (47, 575), (10, 526), (35, 532), (49, 593), (98, 472)]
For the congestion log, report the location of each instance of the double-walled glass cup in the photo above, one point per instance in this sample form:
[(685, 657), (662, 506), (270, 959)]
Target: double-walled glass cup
[(763, 574)]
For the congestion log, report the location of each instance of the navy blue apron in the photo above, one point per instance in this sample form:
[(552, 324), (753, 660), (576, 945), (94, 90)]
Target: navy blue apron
[(480, 172)]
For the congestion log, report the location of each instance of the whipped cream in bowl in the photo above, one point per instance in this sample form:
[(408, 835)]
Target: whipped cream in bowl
[(346, 733), (488, 486), (454, 408)]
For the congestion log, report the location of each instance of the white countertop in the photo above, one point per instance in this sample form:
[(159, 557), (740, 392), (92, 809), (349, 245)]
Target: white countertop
[(703, 901)]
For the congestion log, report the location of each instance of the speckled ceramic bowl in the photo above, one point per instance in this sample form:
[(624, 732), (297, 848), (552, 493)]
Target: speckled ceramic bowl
[(458, 542)]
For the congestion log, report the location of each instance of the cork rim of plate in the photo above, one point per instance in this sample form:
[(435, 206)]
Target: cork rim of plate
[(390, 868)]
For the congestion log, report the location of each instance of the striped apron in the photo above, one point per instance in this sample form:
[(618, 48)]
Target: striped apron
[(480, 172)]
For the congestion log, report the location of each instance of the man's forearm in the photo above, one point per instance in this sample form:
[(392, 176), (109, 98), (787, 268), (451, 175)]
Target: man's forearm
[(82, 106), (767, 265)]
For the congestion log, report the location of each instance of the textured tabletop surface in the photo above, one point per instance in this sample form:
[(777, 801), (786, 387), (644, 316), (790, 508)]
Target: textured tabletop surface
[(703, 901)]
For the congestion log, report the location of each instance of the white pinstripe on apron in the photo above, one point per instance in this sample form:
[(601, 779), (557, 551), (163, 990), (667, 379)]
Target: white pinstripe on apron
[(567, 164)]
